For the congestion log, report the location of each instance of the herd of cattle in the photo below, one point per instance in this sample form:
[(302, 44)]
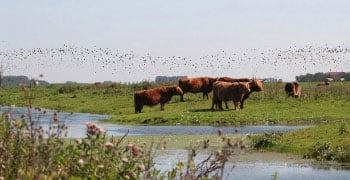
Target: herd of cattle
[(224, 89)]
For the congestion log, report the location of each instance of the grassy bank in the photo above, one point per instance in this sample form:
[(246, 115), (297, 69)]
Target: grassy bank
[(330, 142), (317, 104)]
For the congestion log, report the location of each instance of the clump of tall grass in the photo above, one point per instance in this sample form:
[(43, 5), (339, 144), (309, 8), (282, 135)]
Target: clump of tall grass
[(328, 152), (30, 152)]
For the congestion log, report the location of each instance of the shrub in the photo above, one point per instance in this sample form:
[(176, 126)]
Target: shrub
[(267, 140), (327, 152)]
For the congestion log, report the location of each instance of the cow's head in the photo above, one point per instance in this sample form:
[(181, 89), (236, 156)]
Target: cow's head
[(176, 90), (256, 85)]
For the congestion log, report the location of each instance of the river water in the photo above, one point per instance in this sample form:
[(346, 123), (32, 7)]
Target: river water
[(257, 167), (76, 123)]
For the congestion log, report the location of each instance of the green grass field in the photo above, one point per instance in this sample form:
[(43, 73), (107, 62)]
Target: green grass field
[(316, 105)]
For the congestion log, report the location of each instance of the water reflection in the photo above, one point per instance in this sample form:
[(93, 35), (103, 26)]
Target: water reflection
[(257, 167)]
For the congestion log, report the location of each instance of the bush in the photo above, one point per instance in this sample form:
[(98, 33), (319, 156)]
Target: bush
[(327, 152), (266, 140)]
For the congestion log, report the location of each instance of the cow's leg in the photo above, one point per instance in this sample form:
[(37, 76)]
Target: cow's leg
[(242, 103), (212, 104), (182, 98), (138, 108), (245, 96), (236, 106), (226, 105), (220, 105), (162, 106)]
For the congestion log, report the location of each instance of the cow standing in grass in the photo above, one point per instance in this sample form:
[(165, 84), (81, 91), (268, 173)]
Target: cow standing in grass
[(196, 85), (293, 89), (227, 91), (323, 84), (154, 96), (254, 85)]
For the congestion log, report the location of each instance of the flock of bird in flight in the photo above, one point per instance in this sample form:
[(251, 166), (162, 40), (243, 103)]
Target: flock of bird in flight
[(323, 58)]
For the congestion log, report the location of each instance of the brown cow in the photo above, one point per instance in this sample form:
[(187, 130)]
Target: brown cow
[(154, 96), (254, 85), (196, 85), (323, 84), (293, 89), (227, 91)]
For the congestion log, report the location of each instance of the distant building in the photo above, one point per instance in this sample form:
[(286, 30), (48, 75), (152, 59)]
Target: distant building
[(336, 76), (271, 80), (166, 79)]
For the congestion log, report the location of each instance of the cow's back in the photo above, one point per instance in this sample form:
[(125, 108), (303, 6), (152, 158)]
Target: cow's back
[(149, 97), (193, 85), (225, 91), (228, 79)]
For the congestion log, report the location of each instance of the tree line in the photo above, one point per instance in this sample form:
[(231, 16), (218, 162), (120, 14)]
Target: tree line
[(320, 77), (19, 80)]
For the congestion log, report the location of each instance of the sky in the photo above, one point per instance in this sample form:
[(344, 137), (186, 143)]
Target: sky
[(131, 41)]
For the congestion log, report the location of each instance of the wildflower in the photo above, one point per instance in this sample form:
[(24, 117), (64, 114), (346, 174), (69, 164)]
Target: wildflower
[(136, 150), (126, 176), (81, 161), (78, 141), (133, 175), (125, 160), (109, 145), (141, 167), (129, 147), (93, 129), (100, 166), (100, 130)]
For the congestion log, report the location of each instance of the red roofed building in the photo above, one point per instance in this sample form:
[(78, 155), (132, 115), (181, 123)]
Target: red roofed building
[(336, 75)]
